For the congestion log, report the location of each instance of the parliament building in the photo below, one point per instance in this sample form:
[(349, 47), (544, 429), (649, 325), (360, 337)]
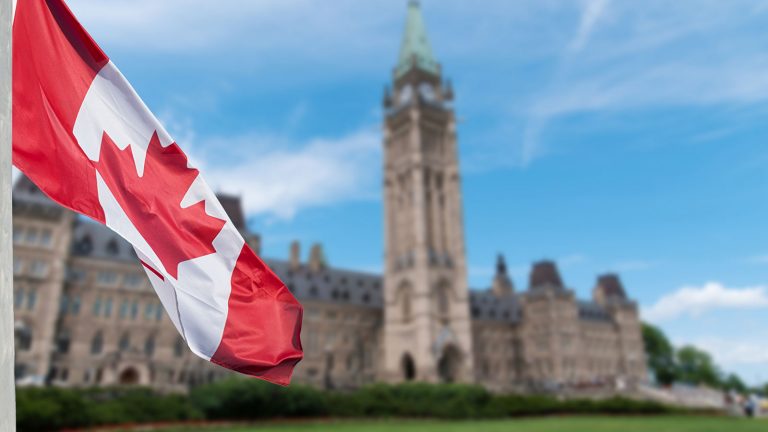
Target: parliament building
[(86, 315)]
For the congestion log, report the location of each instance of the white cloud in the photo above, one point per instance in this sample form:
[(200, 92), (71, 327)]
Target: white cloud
[(694, 301), (278, 178), (593, 10), (733, 352)]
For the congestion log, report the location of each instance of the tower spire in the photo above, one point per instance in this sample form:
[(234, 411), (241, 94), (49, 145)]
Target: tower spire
[(415, 51)]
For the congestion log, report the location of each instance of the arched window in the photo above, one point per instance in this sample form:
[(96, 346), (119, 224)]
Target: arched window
[(97, 343), (409, 367)]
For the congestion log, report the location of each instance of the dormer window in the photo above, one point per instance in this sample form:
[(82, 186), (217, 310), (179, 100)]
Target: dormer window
[(112, 247)]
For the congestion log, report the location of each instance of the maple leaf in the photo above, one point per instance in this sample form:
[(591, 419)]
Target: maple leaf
[(153, 201)]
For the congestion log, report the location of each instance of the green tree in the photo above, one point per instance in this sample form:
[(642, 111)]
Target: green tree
[(734, 382), (696, 366), (660, 354)]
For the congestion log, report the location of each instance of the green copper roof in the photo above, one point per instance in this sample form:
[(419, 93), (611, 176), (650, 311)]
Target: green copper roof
[(415, 50)]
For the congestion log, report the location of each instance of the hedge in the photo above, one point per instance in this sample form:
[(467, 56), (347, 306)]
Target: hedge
[(42, 409)]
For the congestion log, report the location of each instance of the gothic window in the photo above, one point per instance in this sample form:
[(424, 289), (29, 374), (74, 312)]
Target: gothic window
[(443, 293), (97, 343), (405, 297), (409, 367)]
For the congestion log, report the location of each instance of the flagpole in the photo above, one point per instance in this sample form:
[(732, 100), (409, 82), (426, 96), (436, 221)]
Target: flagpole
[(7, 384)]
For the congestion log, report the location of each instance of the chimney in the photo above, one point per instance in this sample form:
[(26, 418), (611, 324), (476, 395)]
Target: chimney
[(295, 262), (316, 258)]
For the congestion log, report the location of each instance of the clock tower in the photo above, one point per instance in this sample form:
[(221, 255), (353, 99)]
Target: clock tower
[(427, 326)]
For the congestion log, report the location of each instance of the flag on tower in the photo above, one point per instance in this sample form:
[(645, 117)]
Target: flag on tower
[(83, 135)]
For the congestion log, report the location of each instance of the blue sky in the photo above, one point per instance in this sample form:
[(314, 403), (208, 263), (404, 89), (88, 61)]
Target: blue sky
[(608, 135)]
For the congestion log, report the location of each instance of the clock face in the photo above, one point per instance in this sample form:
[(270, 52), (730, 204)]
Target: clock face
[(406, 95), (427, 92)]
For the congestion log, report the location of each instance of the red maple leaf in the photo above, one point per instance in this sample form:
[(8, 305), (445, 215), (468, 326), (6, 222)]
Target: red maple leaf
[(153, 201)]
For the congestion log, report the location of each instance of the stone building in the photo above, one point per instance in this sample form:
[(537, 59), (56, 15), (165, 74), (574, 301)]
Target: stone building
[(86, 315)]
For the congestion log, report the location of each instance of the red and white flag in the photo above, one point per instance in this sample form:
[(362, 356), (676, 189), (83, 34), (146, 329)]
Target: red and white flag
[(83, 135)]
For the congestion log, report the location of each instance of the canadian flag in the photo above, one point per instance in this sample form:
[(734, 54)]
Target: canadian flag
[(83, 135)]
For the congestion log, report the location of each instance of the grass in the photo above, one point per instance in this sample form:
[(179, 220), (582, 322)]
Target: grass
[(551, 424)]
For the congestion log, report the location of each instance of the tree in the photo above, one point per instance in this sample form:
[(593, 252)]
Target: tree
[(696, 366), (734, 382), (660, 354)]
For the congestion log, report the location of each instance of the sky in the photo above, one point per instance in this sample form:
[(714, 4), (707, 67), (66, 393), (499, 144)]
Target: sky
[(618, 136)]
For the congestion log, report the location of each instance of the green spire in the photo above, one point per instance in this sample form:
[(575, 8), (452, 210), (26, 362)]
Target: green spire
[(415, 50)]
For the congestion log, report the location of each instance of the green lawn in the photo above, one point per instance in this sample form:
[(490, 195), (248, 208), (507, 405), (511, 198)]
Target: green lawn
[(558, 424)]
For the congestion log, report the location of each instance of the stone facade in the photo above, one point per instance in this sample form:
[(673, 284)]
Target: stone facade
[(86, 315)]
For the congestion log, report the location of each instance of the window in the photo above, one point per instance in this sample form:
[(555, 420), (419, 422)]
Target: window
[(23, 338), (18, 266), (63, 340), (134, 309), (125, 342), (97, 343), (178, 349), (63, 304), (31, 299), (149, 346), (133, 280), (124, 309), (75, 306), (75, 275), (97, 307), (107, 278), (158, 312), (108, 308), (31, 237), (18, 233), (18, 298), (46, 238), (39, 269), (149, 310)]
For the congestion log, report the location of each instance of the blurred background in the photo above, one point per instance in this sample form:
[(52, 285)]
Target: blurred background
[(485, 192)]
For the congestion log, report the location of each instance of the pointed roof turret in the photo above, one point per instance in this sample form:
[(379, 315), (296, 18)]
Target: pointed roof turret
[(415, 50)]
